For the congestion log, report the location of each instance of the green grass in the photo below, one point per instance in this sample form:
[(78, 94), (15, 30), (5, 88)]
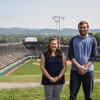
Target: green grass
[(38, 93), (30, 72), (32, 69), (97, 66), (28, 69), (21, 78)]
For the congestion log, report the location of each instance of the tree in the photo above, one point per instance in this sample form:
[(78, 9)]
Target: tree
[(91, 34), (97, 36)]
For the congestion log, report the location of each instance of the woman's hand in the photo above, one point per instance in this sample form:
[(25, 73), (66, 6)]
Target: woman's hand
[(52, 79), (57, 78)]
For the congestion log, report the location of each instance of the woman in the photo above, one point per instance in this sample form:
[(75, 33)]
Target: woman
[(53, 66)]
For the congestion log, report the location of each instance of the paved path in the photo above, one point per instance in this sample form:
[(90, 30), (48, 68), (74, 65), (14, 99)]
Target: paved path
[(18, 85), (4, 85)]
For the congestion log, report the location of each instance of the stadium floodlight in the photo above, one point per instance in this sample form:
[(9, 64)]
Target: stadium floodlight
[(58, 20)]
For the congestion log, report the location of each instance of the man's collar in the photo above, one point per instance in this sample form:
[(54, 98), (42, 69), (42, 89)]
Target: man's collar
[(84, 37)]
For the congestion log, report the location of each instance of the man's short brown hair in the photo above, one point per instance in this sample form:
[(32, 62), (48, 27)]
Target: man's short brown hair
[(83, 22)]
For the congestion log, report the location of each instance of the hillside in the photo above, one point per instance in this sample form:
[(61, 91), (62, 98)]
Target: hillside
[(65, 31)]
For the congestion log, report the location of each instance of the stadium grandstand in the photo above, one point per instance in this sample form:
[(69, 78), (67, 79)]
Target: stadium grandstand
[(12, 55), (12, 52)]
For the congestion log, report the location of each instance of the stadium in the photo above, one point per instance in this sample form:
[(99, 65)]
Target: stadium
[(14, 54), (19, 63)]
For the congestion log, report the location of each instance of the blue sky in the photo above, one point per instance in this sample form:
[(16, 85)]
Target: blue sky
[(38, 13)]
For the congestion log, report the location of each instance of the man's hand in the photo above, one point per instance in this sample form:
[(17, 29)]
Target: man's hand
[(87, 65), (82, 70)]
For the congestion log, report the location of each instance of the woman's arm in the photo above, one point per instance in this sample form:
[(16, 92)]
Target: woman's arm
[(42, 66)]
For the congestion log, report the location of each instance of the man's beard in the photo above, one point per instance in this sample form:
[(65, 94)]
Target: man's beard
[(83, 33)]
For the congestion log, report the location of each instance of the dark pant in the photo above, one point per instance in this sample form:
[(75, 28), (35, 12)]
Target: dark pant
[(87, 83)]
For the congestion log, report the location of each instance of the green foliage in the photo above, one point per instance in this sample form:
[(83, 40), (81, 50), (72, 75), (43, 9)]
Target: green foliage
[(9, 38), (41, 38), (91, 34), (97, 36)]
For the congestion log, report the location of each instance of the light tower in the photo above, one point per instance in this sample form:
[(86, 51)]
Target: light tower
[(58, 20)]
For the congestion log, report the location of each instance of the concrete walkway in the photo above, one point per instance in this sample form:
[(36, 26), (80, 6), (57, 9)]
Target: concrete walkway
[(4, 85)]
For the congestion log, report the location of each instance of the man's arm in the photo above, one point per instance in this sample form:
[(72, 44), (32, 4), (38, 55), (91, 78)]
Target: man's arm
[(71, 50), (80, 68), (93, 51), (93, 54)]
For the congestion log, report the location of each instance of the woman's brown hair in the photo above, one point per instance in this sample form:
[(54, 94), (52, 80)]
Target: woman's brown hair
[(49, 51)]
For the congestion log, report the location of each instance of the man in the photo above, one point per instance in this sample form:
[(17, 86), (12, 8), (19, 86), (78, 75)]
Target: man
[(82, 51)]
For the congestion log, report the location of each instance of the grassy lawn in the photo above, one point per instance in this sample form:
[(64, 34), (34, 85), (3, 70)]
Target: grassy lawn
[(30, 72), (38, 93), (28, 69)]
